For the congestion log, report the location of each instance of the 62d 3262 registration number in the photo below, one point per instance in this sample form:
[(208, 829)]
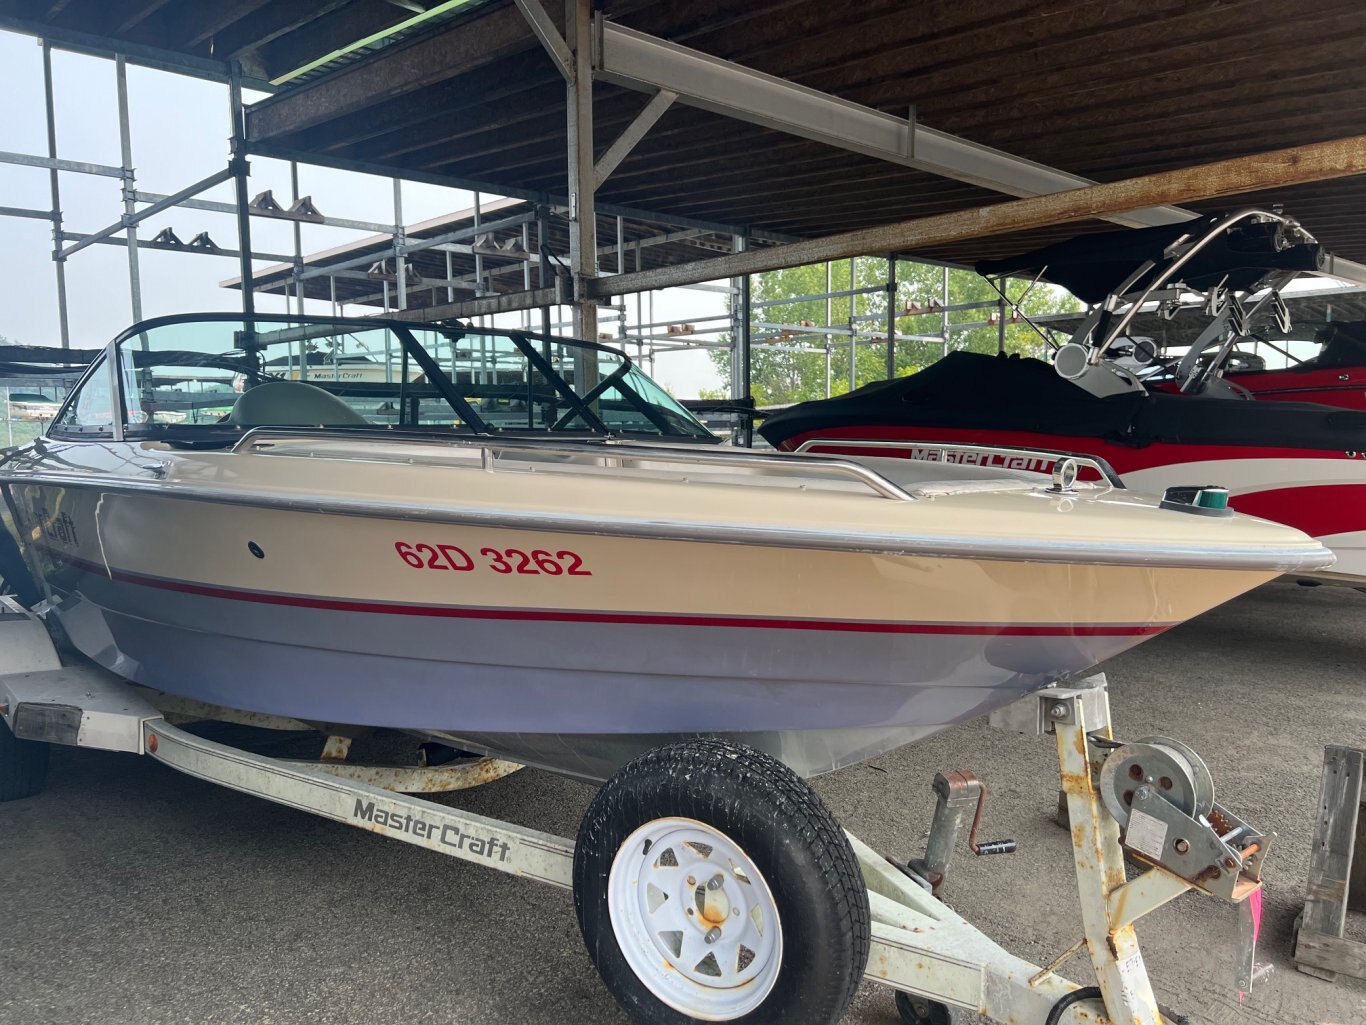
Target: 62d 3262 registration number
[(536, 562)]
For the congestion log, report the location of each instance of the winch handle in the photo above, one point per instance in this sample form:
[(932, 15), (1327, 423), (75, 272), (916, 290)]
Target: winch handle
[(986, 847)]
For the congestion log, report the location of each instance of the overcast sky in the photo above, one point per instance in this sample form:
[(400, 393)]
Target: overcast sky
[(180, 135)]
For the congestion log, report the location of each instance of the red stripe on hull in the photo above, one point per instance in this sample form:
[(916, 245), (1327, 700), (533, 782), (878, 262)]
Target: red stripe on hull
[(631, 618), (1324, 387)]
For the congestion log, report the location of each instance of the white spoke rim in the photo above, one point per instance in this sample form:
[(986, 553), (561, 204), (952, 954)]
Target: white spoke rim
[(695, 919)]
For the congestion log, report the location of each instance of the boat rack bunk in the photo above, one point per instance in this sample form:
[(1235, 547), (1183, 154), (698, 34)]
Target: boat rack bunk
[(678, 907)]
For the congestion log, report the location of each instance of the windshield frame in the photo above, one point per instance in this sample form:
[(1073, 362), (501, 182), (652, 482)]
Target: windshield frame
[(526, 342)]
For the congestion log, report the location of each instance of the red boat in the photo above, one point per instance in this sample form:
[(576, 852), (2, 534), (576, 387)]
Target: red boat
[(1296, 462), (1335, 377)]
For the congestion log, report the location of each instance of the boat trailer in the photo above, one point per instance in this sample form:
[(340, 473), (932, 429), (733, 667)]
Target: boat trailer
[(1151, 801)]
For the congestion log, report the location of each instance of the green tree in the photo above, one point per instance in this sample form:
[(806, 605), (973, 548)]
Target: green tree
[(788, 360)]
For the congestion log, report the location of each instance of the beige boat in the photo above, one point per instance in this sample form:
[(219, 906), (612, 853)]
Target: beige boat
[(544, 557)]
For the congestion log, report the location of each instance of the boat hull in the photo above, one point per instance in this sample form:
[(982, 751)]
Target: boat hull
[(1320, 492), (264, 610)]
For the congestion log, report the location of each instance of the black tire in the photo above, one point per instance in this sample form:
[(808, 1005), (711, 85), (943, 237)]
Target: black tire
[(23, 765), (788, 833), (922, 1011)]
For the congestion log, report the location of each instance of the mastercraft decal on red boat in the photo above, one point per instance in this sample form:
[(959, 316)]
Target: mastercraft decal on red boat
[(627, 618), (1124, 458)]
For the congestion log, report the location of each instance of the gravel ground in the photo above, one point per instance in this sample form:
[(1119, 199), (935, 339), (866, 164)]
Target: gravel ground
[(132, 894)]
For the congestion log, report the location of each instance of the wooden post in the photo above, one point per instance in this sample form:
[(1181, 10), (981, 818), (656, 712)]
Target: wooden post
[(1335, 882)]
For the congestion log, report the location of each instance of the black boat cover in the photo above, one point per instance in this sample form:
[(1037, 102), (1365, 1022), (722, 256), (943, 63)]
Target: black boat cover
[(1091, 267), (971, 391), (1344, 345)]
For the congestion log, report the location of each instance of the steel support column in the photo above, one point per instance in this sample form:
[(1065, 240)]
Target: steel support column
[(400, 249), (891, 316), (740, 332), (298, 241), (240, 170), (1001, 317), (944, 329), (829, 369), (51, 111), (129, 188), (853, 324), (542, 264), (526, 272), (583, 245), (478, 257)]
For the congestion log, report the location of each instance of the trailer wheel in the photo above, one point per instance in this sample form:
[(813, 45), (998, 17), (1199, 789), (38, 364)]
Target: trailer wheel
[(23, 765), (712, 884), (916, 1010)]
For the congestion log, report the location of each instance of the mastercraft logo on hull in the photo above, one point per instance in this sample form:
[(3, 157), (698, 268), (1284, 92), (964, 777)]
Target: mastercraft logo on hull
[(999, 460)]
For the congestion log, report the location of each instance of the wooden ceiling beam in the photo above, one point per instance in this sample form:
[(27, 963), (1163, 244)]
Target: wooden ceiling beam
[(212, 26), (402, 70), (138, 15), (1297, 165), (185, 26), (280, 17), (403, 123), (1156, 80), (330, 30)]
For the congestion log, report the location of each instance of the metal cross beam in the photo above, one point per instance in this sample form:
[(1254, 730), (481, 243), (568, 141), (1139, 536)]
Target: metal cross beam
[(138, 216), (549, 35), (649, 115), (58, 164), (487, 305), (639, 61)]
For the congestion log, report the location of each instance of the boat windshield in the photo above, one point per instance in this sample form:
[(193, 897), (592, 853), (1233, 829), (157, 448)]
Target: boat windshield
[(214, 375)]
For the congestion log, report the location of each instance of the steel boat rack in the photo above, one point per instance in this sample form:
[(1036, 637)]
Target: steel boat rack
[(1150, 801)]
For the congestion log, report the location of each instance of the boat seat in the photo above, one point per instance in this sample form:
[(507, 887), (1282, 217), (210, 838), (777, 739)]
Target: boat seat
[(291, 404)]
